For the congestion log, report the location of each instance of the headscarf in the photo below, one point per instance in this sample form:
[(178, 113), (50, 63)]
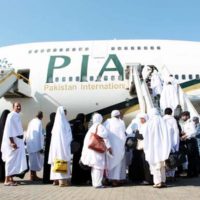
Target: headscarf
[(156, 138), (61, 138), (115, 113), (97, 118)]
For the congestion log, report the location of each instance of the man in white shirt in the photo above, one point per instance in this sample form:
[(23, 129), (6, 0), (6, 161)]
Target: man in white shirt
[(34, 143), (188, 135), (197, 126)]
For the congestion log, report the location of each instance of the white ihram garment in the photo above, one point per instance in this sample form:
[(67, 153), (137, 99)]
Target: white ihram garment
[(15, 160), (169, 97), (35, 142), (117, 138), (157, 145), (173, 131), (156, 84), (174, 138), (60, 144)]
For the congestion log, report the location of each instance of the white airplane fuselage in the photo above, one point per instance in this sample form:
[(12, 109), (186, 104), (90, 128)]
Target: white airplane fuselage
[(89, 76)]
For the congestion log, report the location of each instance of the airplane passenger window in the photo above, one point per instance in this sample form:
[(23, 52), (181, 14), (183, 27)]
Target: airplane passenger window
[(67, 49), (197, 76), (50, 80), (61, 49), (132, 48), (120, 78), (80, 49), (91, 78), (70, 79), (86, 49), (48, 50), (190, 76), (73, 49), (30, 51), (54, 50), (119, 48), (145, 48), (152, 48), (56, 79), (105, 78), (42, 50), (183, 76), (158, 48), (125, 48), (112, 48), (176, 76), (84, 78), (112, 78), (138, 48), (77, 79), (99, 78), (36, 51), (63, 79)]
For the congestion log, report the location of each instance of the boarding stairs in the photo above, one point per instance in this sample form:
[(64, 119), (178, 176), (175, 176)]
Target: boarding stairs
[(13, 85), (145, 98), (142, 91)]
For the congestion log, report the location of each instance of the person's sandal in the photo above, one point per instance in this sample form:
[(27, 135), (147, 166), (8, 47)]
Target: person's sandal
[(11, 184), (159, 185)]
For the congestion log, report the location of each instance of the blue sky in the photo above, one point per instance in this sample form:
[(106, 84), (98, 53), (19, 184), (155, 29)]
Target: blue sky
[(24, 21)]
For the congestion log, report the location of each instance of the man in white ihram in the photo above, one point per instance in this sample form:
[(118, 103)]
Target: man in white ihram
[(34, 143), (157, 147), (117, 138), (169, 96), (174, 138), (13, 150)]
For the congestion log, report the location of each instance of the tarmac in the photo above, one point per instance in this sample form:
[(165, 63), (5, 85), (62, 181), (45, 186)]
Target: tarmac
[(183, 189)]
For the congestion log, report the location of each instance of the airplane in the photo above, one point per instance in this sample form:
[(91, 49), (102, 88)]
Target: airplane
[(91, 76)]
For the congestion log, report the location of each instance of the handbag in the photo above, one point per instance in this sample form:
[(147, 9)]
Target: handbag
[(131, 143), (60, 166), (175, 159), (97, 143)]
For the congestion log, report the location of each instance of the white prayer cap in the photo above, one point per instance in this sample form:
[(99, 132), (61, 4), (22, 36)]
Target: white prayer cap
[(97, 118), (115, 113)]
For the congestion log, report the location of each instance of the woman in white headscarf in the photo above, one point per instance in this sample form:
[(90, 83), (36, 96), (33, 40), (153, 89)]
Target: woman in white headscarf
[(94, 159), (139, 168), (60, 146), (157, 146)]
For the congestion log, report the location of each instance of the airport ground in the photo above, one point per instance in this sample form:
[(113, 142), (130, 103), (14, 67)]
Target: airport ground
[(183, 189)]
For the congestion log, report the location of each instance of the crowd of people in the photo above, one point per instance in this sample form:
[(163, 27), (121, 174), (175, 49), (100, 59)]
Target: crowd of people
[(139, 153)]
